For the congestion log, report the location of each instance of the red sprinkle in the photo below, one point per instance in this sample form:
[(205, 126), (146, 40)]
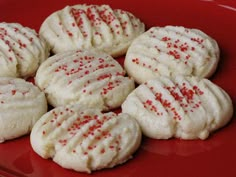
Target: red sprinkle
[(165, 38), (174, 53), (69, 33), (85, 153), (198, 40), (135, 60), (102, 151), (13, 92)]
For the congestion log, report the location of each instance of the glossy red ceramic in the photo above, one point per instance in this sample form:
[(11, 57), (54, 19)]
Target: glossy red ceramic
[(214, 157)]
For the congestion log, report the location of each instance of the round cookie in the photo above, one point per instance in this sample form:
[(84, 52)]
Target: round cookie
[(21, 50), (171, 50), (91, 26), (89, 77), (181, 106), (21, 105), (84, 139)]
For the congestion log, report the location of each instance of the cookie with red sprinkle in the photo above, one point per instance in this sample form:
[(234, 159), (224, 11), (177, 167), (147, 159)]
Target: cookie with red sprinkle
[(85, 139), (171, 50), (21, 105), (91, 26), (180, 106), (21, 50), (88, 77)]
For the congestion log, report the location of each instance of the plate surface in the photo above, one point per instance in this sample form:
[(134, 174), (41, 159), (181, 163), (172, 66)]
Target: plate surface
[(214, 157)]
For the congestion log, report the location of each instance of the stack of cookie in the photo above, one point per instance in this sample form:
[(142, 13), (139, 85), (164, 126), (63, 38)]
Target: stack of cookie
[(83, 82)]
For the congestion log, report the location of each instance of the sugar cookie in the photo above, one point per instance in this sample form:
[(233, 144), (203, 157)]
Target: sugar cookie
[(182, 107), (21, 105), (21, 50), (91, 26), (171, 50), (84, 139), (88, 77)]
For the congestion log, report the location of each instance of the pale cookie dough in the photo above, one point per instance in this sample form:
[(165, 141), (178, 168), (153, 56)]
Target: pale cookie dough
[(91, 26), (89, 77), (21, 105), (21, 50), (171, 50), (182, 107), (84, 139)]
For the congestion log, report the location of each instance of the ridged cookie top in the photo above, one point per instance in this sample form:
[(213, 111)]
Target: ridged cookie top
[(88, 77), (172, 50), (85, 139), (183, 107), (21, 50), (91, 26), (21, 105)]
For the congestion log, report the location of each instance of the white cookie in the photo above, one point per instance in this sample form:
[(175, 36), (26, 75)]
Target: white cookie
[(171, 50), (182, 107), (21, 105), (89, 77), (84, 139), (21, 50), (91, 26)]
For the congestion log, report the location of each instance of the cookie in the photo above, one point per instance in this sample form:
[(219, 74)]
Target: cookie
[(181, 106), (91, 26), (171, 50), (84, 139), (88, 77), (21, 50), (21, 105)]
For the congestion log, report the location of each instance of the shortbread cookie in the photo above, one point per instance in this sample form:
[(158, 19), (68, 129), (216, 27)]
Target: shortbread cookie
[(21, 50), (84, 139), (91, 26), (21, 105), (182, 107), (171, 50), (89, 77)]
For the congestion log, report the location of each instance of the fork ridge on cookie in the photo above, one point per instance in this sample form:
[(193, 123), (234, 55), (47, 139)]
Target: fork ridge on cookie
[(91, 26)]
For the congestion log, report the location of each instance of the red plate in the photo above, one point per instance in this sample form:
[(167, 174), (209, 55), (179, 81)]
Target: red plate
[(214, 157)]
